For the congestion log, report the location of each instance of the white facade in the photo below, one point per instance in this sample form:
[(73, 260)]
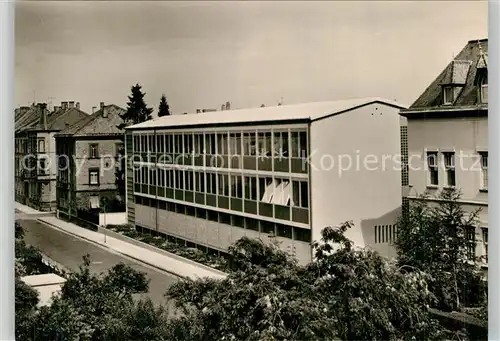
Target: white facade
[(467, 138), (356, 173)]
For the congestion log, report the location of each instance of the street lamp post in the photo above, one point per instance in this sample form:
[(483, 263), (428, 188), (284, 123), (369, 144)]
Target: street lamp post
[(103, 206)]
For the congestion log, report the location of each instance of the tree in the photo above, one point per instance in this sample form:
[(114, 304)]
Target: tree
[(96, 307), (137, 110), (163, 108), (346, 294), (435, 238)]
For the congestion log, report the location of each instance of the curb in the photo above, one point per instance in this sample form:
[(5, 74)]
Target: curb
[(115, 251), (156, 249)]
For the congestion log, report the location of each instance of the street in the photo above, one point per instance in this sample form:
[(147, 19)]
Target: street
[(68, 251)]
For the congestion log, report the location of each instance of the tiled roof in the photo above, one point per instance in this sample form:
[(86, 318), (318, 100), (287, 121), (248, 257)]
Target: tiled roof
[(30, 118), (56, 120), (460, 71), (62, 118), (97, 123), (305, 111)]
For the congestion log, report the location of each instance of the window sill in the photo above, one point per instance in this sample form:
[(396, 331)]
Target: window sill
[(484, 190), (432, 186), (450, 188)]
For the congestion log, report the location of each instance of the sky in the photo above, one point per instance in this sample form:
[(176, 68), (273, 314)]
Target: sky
[(201, 54)]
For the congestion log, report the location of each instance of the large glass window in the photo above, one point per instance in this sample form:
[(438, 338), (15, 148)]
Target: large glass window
[(236, 186), (199, 144), (211, 183), (178, 143), (161, 177), (222, 144), (249, 144), (300, 194), (189, 180), (235, 144), (264, 144), (266, 189), (152, 176), (170, 143), (298, 141), (223, 184), (280, 144), (179, 179), (251, 187), (210, 143), (188, 143), (200, 182), (169, 178)]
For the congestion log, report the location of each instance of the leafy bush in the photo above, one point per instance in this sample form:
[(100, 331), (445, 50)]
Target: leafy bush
[(434, 238)]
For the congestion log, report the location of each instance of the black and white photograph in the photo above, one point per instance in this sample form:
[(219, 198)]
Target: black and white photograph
[(251, 170)]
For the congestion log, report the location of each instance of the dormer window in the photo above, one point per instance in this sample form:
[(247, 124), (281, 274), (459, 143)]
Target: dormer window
[(447, 95), (483, 88)]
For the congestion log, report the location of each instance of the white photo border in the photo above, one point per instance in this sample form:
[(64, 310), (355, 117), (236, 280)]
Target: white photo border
[(7, 324)]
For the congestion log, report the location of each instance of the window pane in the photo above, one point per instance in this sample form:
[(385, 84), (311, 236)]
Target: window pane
[(284, 144), (303, 144), (295, 144), (304, 194), (296, 193)]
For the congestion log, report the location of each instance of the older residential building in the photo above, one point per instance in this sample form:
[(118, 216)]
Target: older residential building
[(89, 172), (447, 138), (35, 166), (281, 172)]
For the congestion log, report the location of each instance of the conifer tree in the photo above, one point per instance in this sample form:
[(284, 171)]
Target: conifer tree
[(137, 110), (163, 108)]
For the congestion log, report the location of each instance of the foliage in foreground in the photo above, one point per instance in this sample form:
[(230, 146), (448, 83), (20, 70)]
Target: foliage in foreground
[(435, 239), (347, 294)]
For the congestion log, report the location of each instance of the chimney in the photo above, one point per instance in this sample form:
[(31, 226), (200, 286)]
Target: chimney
[(43, 115), (104, 112), (78, 105), (223, 107), (198, 111), (93, 109), (71, 104), (228, 106), (102, 105), (64, 105)]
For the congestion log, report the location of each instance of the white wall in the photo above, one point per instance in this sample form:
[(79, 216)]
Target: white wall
[(369, 193), (466, 135), (115, 218)]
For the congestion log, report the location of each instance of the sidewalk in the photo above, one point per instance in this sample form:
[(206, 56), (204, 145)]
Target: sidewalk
[(157, 260), (28, 210)]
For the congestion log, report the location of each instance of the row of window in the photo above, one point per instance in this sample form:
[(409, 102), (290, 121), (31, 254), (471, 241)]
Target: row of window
[(270, 228), (250, 143), (449, 165), (265, 189), (94, 150), (23, 145)]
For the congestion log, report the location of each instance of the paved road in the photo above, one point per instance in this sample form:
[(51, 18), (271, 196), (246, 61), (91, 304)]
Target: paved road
[(68, 251)]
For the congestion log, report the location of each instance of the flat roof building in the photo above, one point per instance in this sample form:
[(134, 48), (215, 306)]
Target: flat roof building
[(282, 172)]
